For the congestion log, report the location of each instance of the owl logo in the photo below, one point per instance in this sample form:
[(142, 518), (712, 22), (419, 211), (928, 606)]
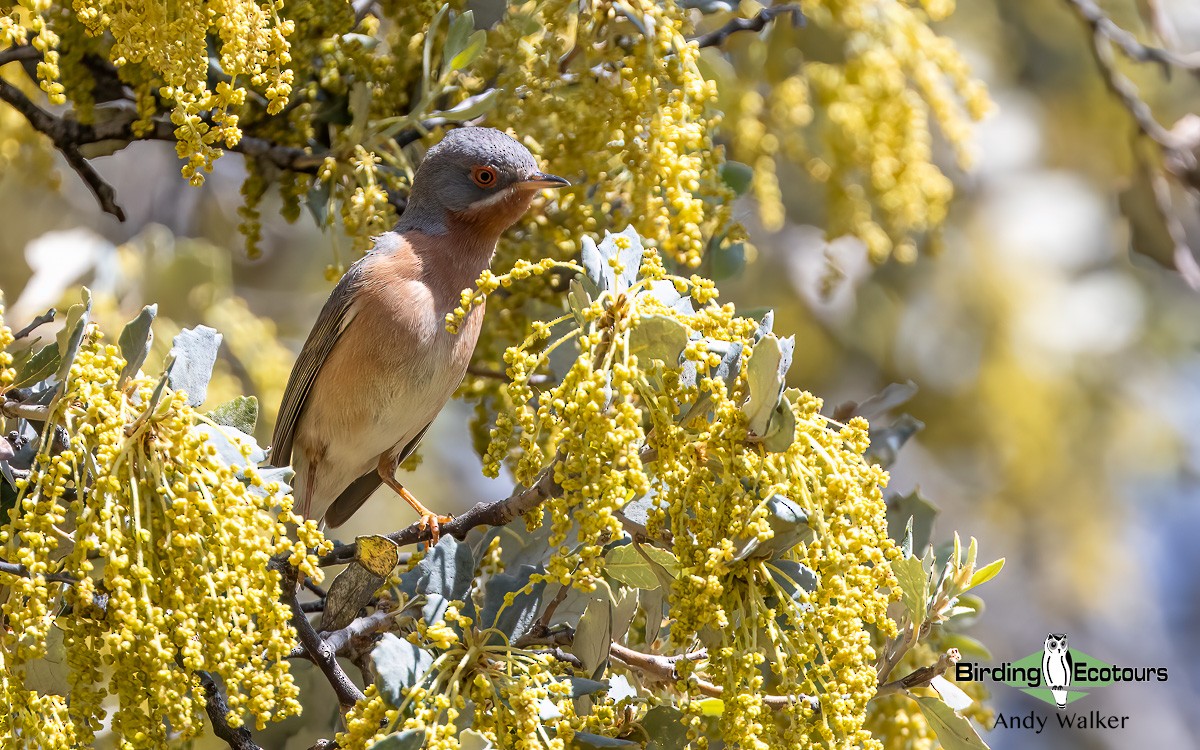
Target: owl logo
[(1057, 667)]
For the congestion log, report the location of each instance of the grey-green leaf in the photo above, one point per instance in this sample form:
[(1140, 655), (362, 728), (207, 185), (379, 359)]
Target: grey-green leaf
[(135, 340), (398, 665), (37, 368), (409, 739), (515, 619), (71, 336), (195, 353), (737, 176)]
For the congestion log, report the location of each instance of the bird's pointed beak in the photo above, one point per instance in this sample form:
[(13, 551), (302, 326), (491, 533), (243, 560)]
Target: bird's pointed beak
[(539, 180)]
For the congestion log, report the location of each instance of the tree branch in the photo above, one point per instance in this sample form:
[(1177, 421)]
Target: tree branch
[(16, 569), (318, 650), (497, 513), (920, 677), (663, 668), (218, 713), (757, 22), (41, 320), (58, 131)]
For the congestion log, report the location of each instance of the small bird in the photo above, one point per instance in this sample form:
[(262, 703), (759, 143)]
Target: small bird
[(379, 363)]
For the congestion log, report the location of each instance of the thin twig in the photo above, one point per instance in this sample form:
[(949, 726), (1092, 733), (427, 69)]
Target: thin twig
[(1101, 24), (16, 569), (920, 677), (54, 128), (41, 320), (18, 410), (497, 513), (662, 668), (757, 22), (483, 372), (218, 713)]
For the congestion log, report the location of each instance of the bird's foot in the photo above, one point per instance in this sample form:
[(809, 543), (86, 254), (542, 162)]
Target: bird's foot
[(434, 522)]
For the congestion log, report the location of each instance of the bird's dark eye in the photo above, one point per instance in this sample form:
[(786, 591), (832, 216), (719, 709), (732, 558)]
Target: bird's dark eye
[(484, 177)]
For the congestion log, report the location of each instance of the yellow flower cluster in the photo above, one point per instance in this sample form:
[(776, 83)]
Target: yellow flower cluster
[(168, 548), (503, 691), (870, 115), (643, 140), (624, 423)]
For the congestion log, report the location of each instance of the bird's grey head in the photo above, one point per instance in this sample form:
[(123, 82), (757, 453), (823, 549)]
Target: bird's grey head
[(477, 176)]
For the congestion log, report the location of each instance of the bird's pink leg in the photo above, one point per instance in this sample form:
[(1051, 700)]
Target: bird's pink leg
[(387, 472)]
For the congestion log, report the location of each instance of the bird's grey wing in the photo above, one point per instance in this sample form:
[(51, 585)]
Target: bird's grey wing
[(325, 332), (360, 489)]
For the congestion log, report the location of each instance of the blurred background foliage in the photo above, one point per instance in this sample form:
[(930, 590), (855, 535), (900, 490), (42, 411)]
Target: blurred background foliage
[(1056, 355)]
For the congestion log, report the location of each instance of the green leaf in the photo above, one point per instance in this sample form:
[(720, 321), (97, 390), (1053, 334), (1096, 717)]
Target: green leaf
[(37, 368), (737, 176), (966, 644), (135, 342), (593, 636), (398, 665), (442, 575), (662, 557), (914, 586), (456, 38), (658, 337), (953, 731), (409, 739), (985, 574), (665, 728), (195, 353), (765, 376), (317, 202), (473, 107), (240, 413), (630, 568), (71, 335), (469, 739), (728, 261), (781, 430), (471, 52)]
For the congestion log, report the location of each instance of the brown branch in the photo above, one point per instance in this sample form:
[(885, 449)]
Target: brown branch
[(483, 372), (318, 650), (1104, 26), (920, 677), (497, 513), (19, 53), (218, 711), (662, 668), (757, 22), (339, 640), (54, 128), (16, 569)]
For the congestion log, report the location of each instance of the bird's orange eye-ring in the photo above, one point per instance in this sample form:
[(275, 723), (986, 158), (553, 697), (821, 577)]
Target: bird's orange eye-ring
[(484, 177)]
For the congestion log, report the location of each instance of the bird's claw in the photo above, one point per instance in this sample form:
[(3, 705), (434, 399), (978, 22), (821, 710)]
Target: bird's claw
[(433, 522)]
